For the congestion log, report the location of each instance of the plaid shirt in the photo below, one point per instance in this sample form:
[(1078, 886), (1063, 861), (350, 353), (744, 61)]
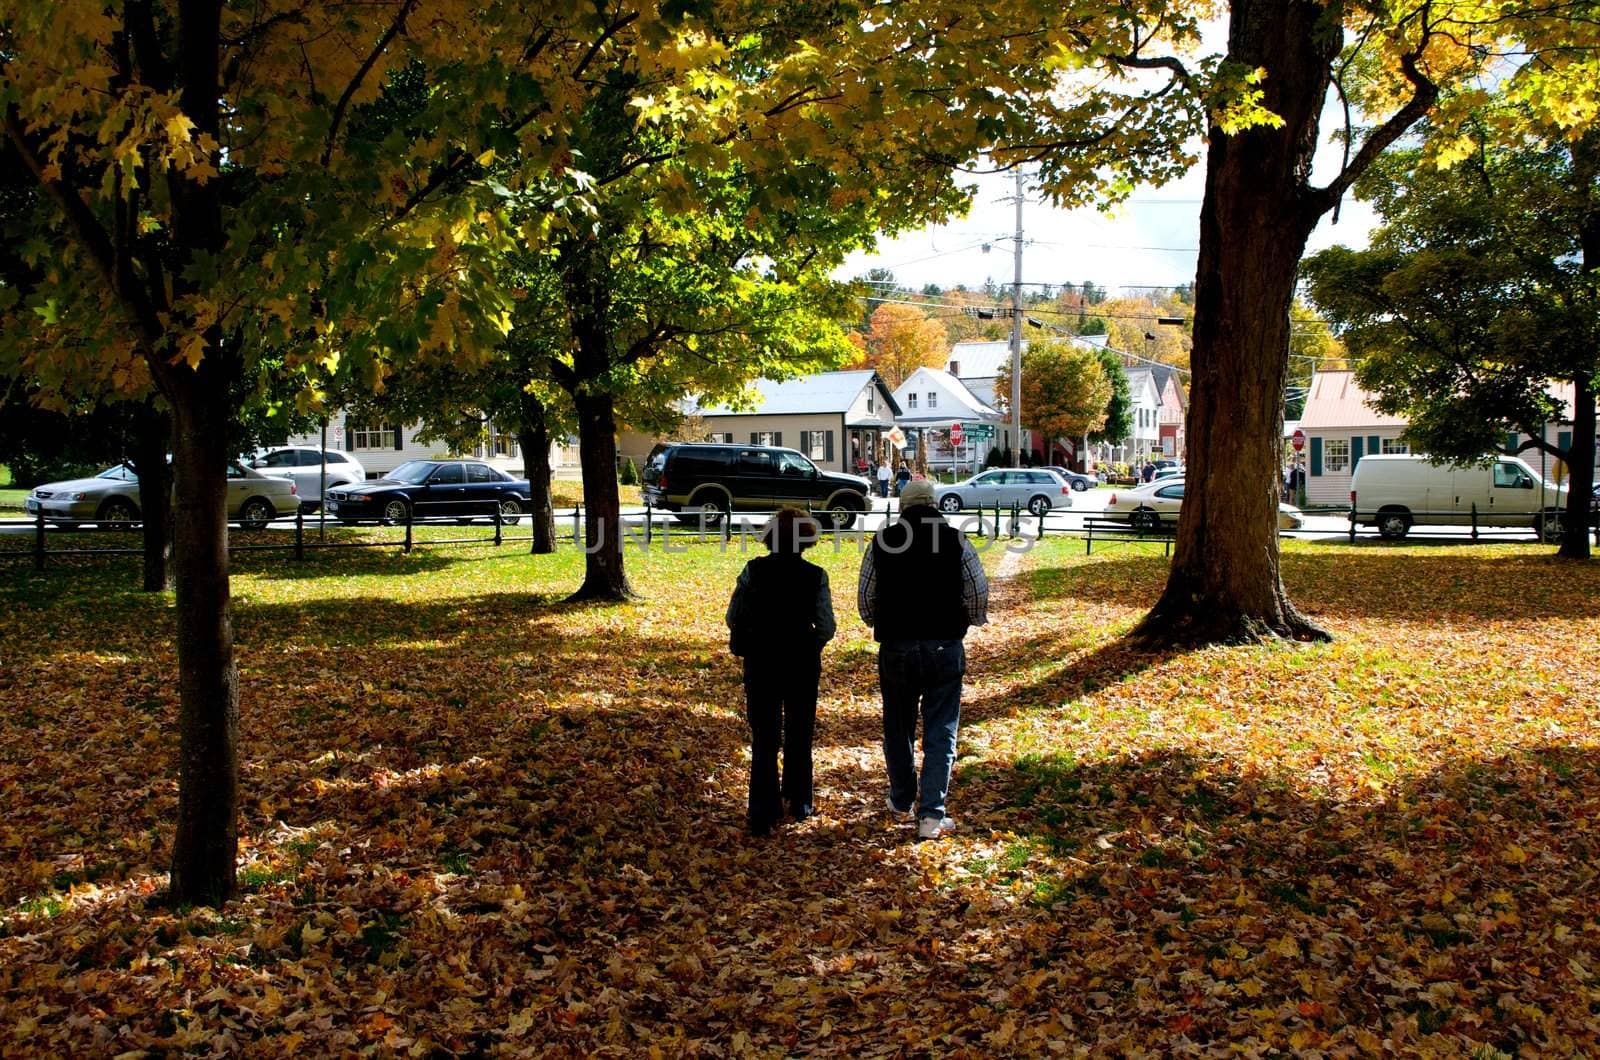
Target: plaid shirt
[(974, 587)]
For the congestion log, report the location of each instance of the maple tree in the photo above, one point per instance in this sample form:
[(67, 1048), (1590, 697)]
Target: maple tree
[(241, 180), (1258, 107), (899, 340), (1065, 389), (1475, 294)]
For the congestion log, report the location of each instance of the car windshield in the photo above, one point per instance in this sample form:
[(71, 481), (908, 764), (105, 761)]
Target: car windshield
[(122, 473), (412, 472)]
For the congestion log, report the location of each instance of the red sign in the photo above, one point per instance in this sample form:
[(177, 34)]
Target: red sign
[(1298, 439), (955, 434)]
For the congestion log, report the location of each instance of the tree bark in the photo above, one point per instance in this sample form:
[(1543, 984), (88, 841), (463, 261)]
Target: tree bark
[(1224, 585), (206, 844), (534, 437), (155, 497), (604, 577), (1580, 459), (205, 847), (1580, 473)]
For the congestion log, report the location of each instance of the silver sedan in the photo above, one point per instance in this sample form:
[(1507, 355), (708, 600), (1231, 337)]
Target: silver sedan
[(1037, 489)]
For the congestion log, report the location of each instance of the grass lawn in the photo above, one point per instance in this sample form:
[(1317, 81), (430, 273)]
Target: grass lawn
[(479, 820), (11, 497)]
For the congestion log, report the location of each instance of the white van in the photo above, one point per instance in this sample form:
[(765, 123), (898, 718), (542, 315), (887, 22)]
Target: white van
[(1394, 492)]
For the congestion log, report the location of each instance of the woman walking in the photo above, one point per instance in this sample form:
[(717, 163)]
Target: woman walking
[(779, 620)]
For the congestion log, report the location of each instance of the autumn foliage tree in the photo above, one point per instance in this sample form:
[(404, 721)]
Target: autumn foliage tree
[(231, 180), (1065, 389), (901, 339)]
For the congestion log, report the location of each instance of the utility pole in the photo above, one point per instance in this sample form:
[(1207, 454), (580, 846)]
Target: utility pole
[(1016, 334)]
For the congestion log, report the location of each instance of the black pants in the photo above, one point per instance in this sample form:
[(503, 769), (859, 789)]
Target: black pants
[(780, 695)]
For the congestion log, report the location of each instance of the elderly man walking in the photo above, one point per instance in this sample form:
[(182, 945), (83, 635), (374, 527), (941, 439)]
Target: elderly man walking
[(922, 586)]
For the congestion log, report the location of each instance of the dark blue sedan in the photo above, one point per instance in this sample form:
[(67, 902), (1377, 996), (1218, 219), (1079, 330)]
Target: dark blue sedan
[(427, 489)]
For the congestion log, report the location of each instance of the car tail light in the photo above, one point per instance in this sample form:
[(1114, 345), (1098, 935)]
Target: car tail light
[(294, 489), (661, 483), (1066, 490), (1352, 498), (1112, 501)]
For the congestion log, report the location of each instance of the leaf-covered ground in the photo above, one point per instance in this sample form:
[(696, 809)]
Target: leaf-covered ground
[(480, 821)]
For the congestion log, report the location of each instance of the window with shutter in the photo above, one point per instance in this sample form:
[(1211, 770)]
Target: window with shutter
[(1357, 446), (1316, 456), (829, 456)]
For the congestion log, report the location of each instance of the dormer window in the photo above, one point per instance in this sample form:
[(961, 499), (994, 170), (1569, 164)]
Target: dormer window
[(955, 368)]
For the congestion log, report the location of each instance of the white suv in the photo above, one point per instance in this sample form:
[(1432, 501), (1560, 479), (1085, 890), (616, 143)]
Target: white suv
[(303, 465)]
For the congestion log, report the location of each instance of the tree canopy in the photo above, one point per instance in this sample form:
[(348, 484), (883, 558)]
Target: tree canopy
[(1065, 389)]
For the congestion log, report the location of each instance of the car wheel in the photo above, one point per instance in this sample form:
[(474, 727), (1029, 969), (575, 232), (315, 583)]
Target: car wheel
[(841, 515), (396, 512), (118, 510), (1144, 519), (1080, 485), (1552, 526), (1393, 525), (255, 514), (1039, 506), (710, 511), (950, 503), (510, 511)]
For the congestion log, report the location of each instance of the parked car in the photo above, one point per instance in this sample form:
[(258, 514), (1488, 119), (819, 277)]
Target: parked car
[(112, 496), (1170, 471), (1035, 488), (704, 482), (1074, 479), (1153, 504), (426, 489), (1393, 492), (304, 465)]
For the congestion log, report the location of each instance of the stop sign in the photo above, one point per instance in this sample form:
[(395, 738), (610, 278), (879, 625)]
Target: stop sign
[(1298, 439), (955, 434)]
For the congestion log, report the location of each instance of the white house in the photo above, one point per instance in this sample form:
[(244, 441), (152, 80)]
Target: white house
[(932, 399), (1144, 413), (382, 447), (976, 363)]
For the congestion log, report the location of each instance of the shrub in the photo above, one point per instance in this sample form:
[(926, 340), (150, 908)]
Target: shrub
[(993, 459), (630, 473)]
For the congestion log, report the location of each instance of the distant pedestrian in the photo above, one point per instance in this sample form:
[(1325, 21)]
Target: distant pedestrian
[(922, 586), (1149, 471), (901, 477), (883, 479), (779, 620)]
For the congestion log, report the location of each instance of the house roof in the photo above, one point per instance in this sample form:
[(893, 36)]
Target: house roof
[(969, 404), (824, 392), (1336, 400)]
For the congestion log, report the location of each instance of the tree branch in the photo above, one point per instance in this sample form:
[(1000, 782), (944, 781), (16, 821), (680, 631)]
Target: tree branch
[(395, 28), (1424, 93)]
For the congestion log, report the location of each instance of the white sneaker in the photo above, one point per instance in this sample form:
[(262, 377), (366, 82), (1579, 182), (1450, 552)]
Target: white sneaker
[(934, 827), (897, 811)]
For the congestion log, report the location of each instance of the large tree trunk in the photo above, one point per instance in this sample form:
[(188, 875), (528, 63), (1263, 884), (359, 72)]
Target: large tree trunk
[(1224, 585), (155, 496), (603, 575), (534, 437), (206, 844), (1580, 459), (1580, 473)]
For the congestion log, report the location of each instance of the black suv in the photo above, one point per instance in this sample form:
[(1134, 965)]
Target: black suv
[(704, 482)]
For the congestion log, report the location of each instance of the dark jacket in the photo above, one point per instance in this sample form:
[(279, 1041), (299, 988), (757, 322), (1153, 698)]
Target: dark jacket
[(781, 606), (917, 566)]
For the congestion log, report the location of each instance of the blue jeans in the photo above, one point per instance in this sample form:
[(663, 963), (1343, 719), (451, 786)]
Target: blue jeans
[(921, 678)]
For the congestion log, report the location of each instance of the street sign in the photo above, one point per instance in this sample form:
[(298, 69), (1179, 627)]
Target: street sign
[(980, 430), (1298, 439), (955, 434)]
